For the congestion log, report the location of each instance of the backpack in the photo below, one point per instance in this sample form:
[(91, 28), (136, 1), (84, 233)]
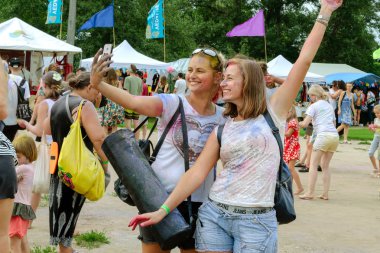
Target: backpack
[(23, 110)]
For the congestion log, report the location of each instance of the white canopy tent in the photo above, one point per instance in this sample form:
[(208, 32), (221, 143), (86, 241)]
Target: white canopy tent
[(332, 68), (281, 67), (17, 35), (124, 55)]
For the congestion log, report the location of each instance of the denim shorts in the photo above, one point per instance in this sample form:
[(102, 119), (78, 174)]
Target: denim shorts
[(220, 230), (374, 146)]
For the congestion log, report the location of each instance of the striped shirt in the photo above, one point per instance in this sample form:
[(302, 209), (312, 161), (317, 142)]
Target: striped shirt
[(6, 147)]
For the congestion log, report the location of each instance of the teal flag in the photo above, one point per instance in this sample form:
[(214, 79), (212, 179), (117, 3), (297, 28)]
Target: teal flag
[(155, 27), (54, 12)]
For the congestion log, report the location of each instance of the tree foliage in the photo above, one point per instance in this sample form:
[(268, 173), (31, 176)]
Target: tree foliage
[(193, 23)]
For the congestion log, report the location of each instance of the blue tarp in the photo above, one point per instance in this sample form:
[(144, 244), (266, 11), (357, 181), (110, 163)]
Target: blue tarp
[(352, 77)]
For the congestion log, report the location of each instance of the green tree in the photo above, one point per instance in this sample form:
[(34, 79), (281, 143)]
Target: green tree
[(194, 23)]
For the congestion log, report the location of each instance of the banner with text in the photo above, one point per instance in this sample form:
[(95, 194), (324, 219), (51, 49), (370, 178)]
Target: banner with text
[(54, 12), (155, 27)]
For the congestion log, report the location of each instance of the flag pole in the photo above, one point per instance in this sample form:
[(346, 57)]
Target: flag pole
[(113, 28), (114, 37), (265, 48), (60, 27), (265, 40), (163, 14)]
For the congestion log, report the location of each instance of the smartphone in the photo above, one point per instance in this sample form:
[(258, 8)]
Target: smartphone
[(107, 49)]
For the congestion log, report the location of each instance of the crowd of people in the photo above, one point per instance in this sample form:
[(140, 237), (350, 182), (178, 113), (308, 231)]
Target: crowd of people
[(243, 189)]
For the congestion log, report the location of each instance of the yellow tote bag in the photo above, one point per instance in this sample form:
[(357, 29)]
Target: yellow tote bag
[(78, 167)]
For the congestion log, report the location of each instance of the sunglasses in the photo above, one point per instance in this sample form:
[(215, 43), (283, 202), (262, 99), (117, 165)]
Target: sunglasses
[(206, 51)]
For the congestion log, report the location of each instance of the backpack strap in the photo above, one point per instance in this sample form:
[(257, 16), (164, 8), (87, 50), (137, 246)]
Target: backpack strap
[(276, 134), (163, 136), (68, 109)]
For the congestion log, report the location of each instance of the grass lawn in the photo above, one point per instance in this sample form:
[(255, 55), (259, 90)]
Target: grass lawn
[(355, 133)]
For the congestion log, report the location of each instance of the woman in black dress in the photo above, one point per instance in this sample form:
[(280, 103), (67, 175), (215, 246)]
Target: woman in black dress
[(64, 203)]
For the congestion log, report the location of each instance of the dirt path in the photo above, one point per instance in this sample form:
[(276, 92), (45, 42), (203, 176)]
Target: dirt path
[(348, 222)]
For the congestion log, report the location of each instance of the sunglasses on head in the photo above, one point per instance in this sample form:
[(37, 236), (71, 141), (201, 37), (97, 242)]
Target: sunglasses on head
[(207, 51)]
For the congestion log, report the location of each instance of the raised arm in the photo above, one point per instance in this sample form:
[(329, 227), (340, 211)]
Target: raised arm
[(283, 98), (188, 183), (3, 91), (145, 105), (336, 94)]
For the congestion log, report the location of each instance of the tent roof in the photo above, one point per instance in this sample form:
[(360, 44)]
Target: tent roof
[(124, 55), (281, 67), (15, 34), (180, 65), (332, 68), (351, 77)]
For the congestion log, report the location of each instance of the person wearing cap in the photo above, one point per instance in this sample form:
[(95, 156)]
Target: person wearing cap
[(17, 76)]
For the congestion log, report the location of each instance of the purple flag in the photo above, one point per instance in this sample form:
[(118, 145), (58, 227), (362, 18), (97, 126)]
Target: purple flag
[(252, 27)]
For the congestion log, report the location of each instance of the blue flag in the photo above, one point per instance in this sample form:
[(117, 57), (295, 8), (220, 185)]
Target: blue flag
[(103, 18), (54, 12), (155, 27)]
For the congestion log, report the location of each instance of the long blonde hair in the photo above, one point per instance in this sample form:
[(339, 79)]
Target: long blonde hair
[(254, 98)]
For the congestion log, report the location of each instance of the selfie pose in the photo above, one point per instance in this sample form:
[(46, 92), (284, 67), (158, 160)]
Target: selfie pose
[(245, 187)]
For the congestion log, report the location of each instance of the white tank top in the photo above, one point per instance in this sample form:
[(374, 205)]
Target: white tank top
[(50, 103)]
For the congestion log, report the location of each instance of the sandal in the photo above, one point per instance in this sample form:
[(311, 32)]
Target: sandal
[(306, 197), (323, 197), (299, 164)]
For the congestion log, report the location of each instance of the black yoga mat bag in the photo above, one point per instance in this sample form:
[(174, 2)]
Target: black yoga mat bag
[(145, 189)]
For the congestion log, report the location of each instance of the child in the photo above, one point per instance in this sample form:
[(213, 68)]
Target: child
[(292, 147), (375, 142), (26, 152)]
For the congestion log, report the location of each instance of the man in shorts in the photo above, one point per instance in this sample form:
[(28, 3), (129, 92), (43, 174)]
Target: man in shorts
[(133, 84)]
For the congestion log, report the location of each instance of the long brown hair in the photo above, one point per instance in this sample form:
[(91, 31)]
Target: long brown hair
[(254, 98)]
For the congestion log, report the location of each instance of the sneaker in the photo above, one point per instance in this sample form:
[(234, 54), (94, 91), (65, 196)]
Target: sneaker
[(319, 168), (303, 169)]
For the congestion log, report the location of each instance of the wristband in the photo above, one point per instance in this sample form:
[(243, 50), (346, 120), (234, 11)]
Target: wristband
[(104, 162), (166, 209), (322, 21)]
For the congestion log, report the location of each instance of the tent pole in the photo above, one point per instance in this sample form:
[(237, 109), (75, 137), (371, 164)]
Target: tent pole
[(113, 28)]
